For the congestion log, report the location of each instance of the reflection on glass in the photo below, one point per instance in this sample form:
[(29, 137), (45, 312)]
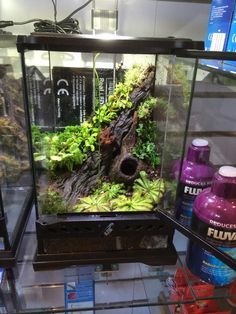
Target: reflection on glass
[(175, 78), (14, 159), (207, 202)]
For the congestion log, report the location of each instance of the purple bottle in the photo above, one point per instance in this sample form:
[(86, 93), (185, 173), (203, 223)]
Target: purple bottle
[(196, 175), (214, 218)]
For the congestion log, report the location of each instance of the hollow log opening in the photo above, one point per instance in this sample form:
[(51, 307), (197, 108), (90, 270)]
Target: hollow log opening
[(129, 166)]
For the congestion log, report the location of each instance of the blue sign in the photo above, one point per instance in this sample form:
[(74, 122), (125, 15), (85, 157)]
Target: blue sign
[(79, 293), (231, 45), (219, 25)]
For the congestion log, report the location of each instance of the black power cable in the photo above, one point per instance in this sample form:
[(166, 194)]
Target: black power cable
[(70, 26), (67, 25)]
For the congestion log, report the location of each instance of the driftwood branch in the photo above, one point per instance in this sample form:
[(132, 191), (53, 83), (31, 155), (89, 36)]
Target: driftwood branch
[(120, 134)]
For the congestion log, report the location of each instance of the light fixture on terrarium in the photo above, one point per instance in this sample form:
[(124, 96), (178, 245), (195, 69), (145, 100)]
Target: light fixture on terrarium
[(105, 18)]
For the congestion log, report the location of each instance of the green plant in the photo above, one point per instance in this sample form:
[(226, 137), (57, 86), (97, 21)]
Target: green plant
[(154, 189), (145, 109), (146, 148), (70, 148), (147, 151), (135, 76), (92, 204), (116, 103), (136, 202), (104, 115), (120, 98), (110, 190), (52, 203)]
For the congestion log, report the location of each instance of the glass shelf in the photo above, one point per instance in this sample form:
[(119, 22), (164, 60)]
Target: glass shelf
[(169, 217), (125, 286), (14, 199)]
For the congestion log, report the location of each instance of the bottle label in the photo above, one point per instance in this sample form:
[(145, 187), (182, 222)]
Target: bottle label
[(203, 263), (209, 268), (217, 233), (186, 196)]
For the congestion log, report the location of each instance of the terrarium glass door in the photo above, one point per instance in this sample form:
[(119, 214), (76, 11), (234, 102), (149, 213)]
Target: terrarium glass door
[(209, 138), (213, 119), (174, 82)]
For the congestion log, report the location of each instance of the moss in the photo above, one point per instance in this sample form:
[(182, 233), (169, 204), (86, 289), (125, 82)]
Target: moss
[(52, 203)]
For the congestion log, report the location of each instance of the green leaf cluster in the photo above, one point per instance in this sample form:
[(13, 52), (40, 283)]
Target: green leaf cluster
[(145, 109), (170, 194), (52, 203), (70, 148), (93, 204), (100, 200), (135, 76), (111, 197), (134, 203), (145, 148), (110, 190), (116, 103), (146, 188), (120, 98)]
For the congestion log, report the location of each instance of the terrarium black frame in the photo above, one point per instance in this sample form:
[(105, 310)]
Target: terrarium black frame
[(16, 182), (67, 239), (8, 255)]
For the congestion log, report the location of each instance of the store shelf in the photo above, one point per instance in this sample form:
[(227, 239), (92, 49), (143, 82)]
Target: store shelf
[(122, 286), (168, 217)]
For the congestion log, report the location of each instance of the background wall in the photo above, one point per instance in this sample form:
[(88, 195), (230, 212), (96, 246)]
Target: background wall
[(136, 17)]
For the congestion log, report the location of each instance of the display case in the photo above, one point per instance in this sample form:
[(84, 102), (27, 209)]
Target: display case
[(110, 118), (15, 173)]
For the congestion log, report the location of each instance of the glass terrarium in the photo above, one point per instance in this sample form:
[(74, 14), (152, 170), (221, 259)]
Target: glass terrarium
[(15, 174), (109, 120)]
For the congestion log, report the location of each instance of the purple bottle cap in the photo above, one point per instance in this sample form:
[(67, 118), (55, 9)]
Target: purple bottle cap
[(199, 151), (224, 182)]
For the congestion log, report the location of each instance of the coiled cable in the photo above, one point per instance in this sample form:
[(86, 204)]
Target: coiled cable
[(68, 25)]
